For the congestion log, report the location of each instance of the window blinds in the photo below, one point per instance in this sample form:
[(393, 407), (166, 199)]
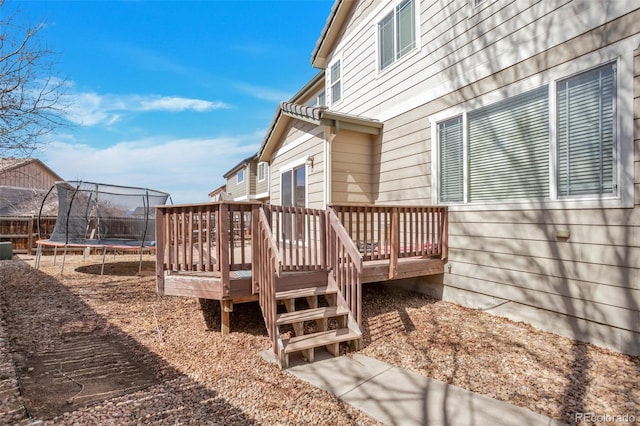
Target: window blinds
[(386, 30), (406, 28), (451, 160), (509, 148), (586, 133)]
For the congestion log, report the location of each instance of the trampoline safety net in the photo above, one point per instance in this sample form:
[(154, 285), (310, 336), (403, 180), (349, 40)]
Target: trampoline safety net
[(94, 213)]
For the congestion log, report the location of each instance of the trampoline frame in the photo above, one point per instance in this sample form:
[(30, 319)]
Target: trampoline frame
[(104, 244)]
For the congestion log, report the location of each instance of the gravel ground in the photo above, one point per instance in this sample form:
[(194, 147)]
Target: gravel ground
[(201, 377)]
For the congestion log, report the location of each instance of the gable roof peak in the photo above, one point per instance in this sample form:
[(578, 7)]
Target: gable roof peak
[(337, 17)]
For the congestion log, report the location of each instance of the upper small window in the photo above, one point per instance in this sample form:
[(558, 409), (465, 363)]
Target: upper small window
[(240, 176), (397, 33), (321, 99), (262, 167), (335, 79), (317, 101)]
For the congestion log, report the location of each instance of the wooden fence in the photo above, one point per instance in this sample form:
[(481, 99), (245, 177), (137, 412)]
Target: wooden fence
[(22, 231)]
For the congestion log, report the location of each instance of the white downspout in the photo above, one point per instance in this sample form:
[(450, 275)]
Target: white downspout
[(328, 140)]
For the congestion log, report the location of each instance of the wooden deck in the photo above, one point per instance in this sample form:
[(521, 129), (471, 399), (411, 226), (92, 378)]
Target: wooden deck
[(240, 252)]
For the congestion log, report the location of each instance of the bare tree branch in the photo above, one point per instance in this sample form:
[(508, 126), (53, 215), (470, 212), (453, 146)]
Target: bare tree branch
[(31, 96)]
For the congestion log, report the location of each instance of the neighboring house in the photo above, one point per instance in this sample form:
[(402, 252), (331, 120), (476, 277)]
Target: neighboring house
[(517, 115), (26, 173), (143, 212), (220, 194), (23, 184), (248, 181)]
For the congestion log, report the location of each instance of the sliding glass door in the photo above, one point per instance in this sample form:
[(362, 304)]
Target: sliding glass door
[(294, 193)]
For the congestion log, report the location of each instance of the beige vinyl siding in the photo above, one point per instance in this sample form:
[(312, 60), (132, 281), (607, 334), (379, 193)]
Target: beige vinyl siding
[(459, 47), (594, 275), (402, 161), (30, 175), (252, 173), (299, 130), (351, 168), (314, 147), (592, 279), (237, 190)]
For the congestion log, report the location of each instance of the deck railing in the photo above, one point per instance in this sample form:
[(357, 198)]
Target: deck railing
[(193, 235), (379, 232), (345, 262), (392, 232), (267, 268), (209, 237)]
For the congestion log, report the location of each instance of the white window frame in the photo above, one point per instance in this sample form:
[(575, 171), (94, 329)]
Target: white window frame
[(262, 165), (331, 83), (416, 36), (289, 167), (622, 55), (240, 176)]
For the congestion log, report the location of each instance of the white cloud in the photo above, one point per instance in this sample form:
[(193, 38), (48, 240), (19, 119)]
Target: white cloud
[(90, 108), (264, 93), (172, 103), (188, 169)]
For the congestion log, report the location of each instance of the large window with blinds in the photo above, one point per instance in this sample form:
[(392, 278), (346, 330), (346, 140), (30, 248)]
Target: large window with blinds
[(503, 151)]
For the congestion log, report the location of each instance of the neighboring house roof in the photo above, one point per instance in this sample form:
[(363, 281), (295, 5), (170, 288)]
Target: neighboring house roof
[(320, 116), (8, 164), (142, 212), (240, 165), (337, 17), (218, 190)]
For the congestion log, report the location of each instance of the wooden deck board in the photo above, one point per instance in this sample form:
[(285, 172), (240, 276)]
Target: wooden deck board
[(315, 340), (408, 267), (311, 314), (304, 292), (208, 285)]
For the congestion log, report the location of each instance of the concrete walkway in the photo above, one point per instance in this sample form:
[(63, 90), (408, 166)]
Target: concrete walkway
[(395, 396)]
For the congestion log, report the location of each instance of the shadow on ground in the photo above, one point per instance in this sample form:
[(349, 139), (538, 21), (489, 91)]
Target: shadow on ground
[(68, 357), (121, 269), (385, 310)]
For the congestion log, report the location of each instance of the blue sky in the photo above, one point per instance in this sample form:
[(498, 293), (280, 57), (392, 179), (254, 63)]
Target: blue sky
[(170, 95)]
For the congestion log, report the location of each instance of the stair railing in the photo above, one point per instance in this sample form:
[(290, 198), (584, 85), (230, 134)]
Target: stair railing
[(345, 264), (267, 267)]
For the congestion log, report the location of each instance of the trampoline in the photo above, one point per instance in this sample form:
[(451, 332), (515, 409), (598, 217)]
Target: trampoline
[(102, 217)]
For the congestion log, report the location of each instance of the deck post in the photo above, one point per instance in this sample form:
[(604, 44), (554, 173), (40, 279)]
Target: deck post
[(223, 244), (444, 238), (255, 254), (160, 237), (395, 243), (226, 307)]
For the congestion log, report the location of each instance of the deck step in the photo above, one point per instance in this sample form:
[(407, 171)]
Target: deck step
[(304, 292), (316, 340), (311, 314)]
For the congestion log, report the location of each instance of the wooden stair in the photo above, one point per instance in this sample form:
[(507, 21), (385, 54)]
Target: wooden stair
[(334, 323)]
